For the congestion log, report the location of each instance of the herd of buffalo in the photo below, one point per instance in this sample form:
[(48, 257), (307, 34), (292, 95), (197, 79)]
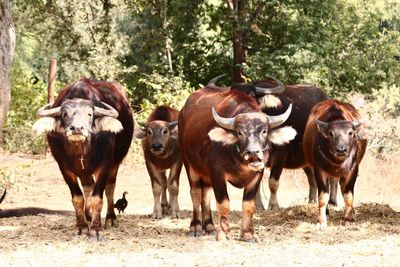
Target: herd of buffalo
[(222, 134)]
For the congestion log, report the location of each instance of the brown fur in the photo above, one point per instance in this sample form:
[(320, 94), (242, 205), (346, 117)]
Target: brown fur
[(210, 163), (157, 164), (100, 156), (324, 164)]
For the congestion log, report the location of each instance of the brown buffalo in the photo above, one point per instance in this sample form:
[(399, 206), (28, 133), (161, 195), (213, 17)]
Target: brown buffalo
[(334, 144), (273, 98), (225, 138), (89, 130), (161, 151)]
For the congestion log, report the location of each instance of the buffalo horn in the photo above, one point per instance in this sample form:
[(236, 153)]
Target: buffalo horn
[(226, 123), (110, 111), (274, 90), (214, 80), (275, 121), (45, 112)]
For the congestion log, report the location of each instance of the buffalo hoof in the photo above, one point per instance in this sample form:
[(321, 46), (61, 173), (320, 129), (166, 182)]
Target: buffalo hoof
[(165, 209), (156, 215), (273, 206), (221, 236), (195, 234), (322, 226), (250, 238), (97, 237)]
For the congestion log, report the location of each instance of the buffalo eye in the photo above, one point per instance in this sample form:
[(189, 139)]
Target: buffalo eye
[(149, 132), (239, 133), (165, 131), (264, 132), (351, 133), (90, 115), (331, 134)]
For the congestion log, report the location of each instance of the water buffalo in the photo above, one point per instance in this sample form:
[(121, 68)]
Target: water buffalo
[(334, 145), (161, 152), (273, 98), (225, 137), (89, 130)]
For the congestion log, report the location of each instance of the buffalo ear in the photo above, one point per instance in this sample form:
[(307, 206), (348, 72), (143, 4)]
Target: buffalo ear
[(223, 136), (139, 133), (107, 124), (44, 125), (283, 135), (323, 127), (173, 127)]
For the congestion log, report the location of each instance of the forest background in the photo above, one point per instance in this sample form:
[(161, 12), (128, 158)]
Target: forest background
[(162, 50)]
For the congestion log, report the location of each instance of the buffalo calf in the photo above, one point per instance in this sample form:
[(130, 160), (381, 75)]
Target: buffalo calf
[(161, 152), (334, 145)]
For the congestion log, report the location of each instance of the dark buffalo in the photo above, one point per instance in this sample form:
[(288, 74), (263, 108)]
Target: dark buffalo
[(224, 137), (89, 130), (161, 151), (334, 144), (273, 98)]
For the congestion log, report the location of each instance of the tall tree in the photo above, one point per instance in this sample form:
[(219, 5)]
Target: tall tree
[(7, 44), (243, 15)]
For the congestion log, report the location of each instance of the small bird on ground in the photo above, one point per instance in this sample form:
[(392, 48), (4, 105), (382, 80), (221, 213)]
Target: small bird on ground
[(121, 203)]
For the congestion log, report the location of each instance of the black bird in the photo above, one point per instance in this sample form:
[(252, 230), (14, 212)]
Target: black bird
[(121, 203)]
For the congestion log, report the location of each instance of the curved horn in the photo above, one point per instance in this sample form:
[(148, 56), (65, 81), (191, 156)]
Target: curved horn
[(110, 111), (45, 112), (226, 123), (274, 90), (275, 121), (214, 80)]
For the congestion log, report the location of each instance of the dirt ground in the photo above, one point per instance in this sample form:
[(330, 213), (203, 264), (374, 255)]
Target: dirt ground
[(288, 237)]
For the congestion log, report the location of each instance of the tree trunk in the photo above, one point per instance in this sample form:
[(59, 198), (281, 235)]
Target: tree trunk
[(238, 18), (7, 44)]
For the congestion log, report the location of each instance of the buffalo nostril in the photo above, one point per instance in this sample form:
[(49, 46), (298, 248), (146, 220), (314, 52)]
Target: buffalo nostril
[(157, 146), (81, 127), (71, 128)]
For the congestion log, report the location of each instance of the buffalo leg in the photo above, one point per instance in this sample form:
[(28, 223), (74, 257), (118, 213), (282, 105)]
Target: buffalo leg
[(196, 193), (208, 224), (87, 184), (312, 193), (78, 200), (223, 206), (248, 205), (95, 202), (110, 188), (259, 203), (347, 187), (173, 188), (158, 185), (323, 198), (333, 184), (273, 181)]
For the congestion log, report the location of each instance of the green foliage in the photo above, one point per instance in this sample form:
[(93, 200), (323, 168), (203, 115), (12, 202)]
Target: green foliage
[(382, 113), (344, 46)]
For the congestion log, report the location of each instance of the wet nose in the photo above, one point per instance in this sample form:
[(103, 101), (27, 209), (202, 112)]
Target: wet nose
[(252, 155), (157, 146), (341, 149), (76, 128)]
